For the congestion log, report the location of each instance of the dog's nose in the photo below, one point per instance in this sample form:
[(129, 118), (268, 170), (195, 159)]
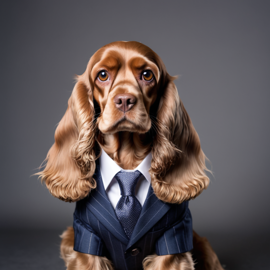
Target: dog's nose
[(124, 102)]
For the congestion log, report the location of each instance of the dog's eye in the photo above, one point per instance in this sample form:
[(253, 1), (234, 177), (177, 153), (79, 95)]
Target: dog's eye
[(147, 75), (103, 76)]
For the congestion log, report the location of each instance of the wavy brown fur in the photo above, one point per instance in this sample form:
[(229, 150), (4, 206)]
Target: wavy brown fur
[(203, 254), (81, 261), (71, 160), (181, 261), (178, 164)]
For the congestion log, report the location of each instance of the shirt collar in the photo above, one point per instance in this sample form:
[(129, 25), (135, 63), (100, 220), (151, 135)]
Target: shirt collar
[(109, 168)]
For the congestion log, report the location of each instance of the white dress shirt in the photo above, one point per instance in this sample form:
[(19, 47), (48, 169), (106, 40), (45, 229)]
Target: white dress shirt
[(108, 169)]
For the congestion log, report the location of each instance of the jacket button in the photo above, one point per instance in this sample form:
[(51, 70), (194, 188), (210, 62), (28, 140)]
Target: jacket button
[(135, 252)]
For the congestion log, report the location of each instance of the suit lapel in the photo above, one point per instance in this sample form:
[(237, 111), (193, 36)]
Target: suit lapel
[(99, 204), (153, 210)]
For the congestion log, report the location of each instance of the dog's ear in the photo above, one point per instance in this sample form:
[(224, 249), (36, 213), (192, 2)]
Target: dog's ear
[(70, 163), (178, 163)]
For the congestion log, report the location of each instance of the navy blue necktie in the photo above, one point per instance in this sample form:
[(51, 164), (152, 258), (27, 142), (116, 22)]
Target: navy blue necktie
[(128, 208)]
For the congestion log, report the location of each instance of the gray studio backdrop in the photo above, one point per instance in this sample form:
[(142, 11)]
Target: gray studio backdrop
[(220, 49)]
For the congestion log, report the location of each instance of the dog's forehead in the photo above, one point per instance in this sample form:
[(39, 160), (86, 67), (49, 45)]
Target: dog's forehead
[(116, 54)]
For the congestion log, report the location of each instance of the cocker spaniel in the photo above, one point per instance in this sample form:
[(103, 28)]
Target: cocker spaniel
[(127, 104)]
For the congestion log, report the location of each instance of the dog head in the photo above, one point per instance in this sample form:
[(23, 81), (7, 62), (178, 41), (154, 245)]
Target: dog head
[(124, 83), (126, 88)]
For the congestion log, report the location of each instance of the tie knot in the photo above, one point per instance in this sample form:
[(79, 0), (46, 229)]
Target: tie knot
[(127, 182)]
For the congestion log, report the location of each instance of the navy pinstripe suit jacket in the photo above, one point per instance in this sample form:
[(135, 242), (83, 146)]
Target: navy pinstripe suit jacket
[(161, 228)]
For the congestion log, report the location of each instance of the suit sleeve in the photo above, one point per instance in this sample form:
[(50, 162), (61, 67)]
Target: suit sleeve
[(177, 239), (86, 240)]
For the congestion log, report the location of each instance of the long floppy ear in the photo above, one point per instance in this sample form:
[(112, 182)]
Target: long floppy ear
[(71, 160), (178, 163)]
